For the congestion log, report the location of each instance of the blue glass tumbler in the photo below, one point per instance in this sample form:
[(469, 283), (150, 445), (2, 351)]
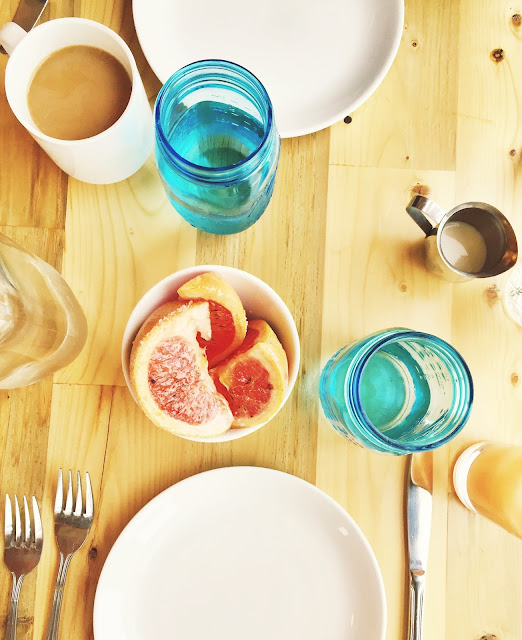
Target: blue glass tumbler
[(217, 146), (397, 391)]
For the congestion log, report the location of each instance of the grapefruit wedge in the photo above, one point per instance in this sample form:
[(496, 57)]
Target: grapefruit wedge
[(255, 378), (227, 317), (170, 376)]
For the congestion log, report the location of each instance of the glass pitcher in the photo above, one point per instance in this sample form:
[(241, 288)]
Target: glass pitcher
[(42, 326)]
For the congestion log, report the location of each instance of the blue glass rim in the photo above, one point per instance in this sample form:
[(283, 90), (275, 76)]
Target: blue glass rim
[(361, 364), (210, 64)]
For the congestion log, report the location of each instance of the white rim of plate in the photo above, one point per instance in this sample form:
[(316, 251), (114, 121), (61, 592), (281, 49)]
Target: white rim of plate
[(347, 110)]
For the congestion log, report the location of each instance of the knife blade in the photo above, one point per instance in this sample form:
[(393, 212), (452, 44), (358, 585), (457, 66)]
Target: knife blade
[(27, 14), (419, 509)]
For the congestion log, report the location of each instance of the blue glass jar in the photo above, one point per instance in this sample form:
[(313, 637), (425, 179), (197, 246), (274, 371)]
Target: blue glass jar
[(217, 146), (397, 391)]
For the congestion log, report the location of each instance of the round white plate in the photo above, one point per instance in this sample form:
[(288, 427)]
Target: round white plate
[(241, 553), (318, 59)]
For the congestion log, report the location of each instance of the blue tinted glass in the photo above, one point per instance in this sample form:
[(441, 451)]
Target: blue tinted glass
[(217, 146), (397, 391)]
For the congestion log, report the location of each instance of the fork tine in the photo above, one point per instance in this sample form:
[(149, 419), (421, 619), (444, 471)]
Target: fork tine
[(58, 502), (89, 503), (27, 524), (38, 532), (8, 522), (69, 500), (18, 524), (79, 501)]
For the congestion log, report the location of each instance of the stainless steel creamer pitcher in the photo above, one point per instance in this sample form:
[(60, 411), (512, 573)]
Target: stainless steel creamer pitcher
[(473, 240)]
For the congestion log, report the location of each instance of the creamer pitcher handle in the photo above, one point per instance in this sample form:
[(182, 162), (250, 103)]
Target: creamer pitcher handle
[(425, 212)]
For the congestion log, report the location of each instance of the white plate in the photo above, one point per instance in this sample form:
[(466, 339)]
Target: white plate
[(241, 553), (318, 59)]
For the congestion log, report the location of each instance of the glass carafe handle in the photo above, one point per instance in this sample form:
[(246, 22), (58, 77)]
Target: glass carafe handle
[(42, 326)]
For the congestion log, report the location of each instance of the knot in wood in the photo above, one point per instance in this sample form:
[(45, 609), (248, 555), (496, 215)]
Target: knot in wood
[(497, 55), (421, 190), (491, 294)]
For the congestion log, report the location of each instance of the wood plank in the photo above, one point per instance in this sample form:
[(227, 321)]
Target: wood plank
[(32, 187), (120, 240), (374, 278), (77, 441), (484, 562), (25, 417), (410, 121), (374, 270), (285, 249)]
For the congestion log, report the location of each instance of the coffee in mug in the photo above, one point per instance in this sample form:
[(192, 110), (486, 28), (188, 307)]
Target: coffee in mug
[(77, 92)]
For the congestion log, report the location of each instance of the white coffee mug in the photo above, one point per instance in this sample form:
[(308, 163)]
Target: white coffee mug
[(113, 154)]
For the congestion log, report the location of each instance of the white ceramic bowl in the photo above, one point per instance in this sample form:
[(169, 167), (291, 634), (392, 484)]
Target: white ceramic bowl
[(259, 301)]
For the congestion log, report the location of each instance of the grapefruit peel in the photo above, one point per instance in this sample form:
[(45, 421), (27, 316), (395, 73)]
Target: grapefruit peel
[(227, 316), (169, 372), (254, 379)]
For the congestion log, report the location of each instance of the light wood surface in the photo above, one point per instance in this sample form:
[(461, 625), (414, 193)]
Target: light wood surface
[(338, 247)]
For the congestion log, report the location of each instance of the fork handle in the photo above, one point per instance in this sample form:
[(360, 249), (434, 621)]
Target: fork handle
[(10, 631), (54, 620)]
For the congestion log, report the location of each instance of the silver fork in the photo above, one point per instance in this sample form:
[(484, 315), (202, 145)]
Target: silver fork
[(22, 552), (70, 529)]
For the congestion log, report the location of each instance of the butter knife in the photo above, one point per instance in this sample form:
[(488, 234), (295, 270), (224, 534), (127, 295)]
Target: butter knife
[(27, 14), (420, 488)]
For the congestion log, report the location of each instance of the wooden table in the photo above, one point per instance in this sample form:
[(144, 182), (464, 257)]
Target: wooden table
[(339, 248)]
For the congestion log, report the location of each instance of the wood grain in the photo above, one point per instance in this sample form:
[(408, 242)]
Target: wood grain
[(410, 121), (32, 187), (78, 433), (482, 554), (338, 247), (375, 279), (291, 228), (121, 239)]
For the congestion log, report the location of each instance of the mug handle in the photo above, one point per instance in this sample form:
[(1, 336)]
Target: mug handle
[(10, 36), (424, 211), (25, 18)]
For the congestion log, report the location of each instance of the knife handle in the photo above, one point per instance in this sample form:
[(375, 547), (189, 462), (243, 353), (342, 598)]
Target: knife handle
[(417, 587)]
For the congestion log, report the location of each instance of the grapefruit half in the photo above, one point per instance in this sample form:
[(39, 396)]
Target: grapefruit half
[(169, 372), (255, 378), (227, 316)]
